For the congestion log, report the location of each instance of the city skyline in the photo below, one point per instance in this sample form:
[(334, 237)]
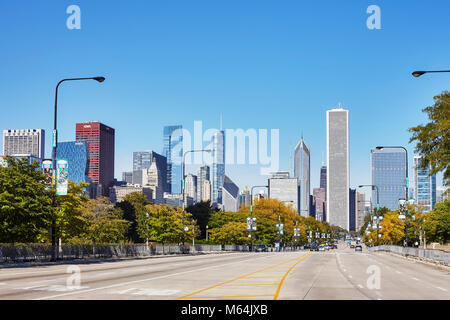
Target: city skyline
[(148, 90)]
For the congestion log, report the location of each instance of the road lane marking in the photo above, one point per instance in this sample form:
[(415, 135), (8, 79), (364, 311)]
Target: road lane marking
[(415, 279), (143, 280), (350, 276), (361, 286), (398, 272), (284, 277), (243, 276), (442, 289)]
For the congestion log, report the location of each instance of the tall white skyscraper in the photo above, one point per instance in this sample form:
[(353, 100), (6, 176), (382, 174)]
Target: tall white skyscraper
[(338, 168), (218, 166), (24, 142), (303, 173)]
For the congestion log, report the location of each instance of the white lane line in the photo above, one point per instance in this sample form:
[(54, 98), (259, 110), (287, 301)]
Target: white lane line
[(360, 286), (148, 279), (2, 284), (398, 272), (350, 277), (441, 289), (415, 279)]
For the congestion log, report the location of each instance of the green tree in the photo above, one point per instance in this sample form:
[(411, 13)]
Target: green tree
[(104, 223), (433, 139), (437, 224), (163, 224), (70, 222), (201, 212), (133, 207), (25, 202), (230, 233)]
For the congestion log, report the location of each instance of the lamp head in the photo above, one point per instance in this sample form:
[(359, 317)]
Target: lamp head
[(99, 79), (418, 73)]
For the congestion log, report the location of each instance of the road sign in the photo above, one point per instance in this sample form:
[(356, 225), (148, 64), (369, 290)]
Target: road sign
[(54, 138)]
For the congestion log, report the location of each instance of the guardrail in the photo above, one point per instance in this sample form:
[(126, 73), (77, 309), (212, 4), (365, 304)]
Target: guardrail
[(432, 255)]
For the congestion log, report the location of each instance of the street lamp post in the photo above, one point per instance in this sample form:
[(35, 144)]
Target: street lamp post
[(407, 179), (420, 73), (251, 214), (55, 144), (279, 219), (378, 205), (183, 184)]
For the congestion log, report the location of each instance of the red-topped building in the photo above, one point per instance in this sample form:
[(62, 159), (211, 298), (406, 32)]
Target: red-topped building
[(100, 140)]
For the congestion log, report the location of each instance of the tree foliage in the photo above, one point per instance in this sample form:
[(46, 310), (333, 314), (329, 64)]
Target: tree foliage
[(25, 203), (433, 139)]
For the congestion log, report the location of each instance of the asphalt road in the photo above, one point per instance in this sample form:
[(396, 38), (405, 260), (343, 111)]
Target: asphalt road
[(334, 274)]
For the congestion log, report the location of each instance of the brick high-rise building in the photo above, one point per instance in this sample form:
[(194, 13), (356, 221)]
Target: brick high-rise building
[(100, 140)]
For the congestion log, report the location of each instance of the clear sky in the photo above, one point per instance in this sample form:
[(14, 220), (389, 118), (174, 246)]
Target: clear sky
[(263, 64)]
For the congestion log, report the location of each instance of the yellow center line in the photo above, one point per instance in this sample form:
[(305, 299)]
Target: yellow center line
[(228, 297), (245, 275), (250, 284), (284, 277)]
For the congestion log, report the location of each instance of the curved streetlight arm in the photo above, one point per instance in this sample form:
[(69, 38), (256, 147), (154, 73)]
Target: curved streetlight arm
[(420, 73)]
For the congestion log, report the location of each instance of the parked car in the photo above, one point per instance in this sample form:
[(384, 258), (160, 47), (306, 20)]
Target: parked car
[(358, 248), (322, 248), (262, 248), (314, 248)]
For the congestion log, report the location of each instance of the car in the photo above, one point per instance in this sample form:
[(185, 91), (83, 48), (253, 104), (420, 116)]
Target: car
[(314, 248), (322, 247), (262, 248), (334, 246), (358, 248), (306, 246)]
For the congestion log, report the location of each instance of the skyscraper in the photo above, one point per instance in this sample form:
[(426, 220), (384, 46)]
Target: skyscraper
[(352, 209), (323, 178), (361, 210), (206, 190), (284, 189), (320, 197), (203, 174), (303, 174), (155, 179), (191, 187), (100, 139), (127, 177), (29, 142), (388, 174), (218, 166), (173, 151), (230, 195), (77, 155), (142, 160), (424, 186), (337, 168)]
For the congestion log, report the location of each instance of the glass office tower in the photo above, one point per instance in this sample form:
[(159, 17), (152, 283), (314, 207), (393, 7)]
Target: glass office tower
[(218, 166), (77, 155), (424, 186), (389, 175), (173, 151)]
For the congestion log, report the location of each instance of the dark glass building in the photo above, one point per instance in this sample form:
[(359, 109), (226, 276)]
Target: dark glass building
[(173, 135), (352, 209), (77, 155)]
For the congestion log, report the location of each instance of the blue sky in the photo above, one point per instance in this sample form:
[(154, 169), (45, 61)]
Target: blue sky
[(262, 64)]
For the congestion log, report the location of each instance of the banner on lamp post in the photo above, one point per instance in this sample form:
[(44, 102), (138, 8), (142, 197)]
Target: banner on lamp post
[(62, 177)]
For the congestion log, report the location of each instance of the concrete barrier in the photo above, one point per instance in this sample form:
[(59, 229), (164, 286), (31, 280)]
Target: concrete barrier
[(431, 255)]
